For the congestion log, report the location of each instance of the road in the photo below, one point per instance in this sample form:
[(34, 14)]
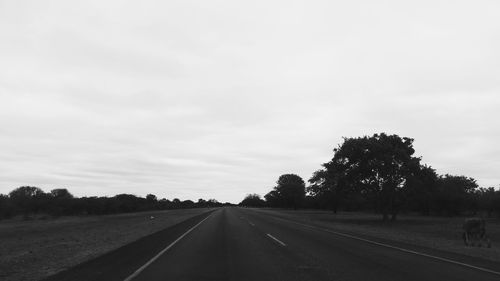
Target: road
[(244, 244)]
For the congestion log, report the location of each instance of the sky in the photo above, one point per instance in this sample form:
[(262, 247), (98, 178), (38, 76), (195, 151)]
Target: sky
[(216, 99)]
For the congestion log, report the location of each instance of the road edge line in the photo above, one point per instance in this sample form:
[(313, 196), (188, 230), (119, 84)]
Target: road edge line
[(276, 240), (140, 269), (394, 247)]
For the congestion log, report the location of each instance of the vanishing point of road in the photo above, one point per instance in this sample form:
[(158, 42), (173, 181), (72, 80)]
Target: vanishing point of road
[(245, 244)]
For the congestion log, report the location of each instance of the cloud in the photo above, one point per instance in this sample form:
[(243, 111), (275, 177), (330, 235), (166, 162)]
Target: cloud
[(216, 99)]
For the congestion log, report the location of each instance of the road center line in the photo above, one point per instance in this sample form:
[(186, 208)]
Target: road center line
[(138, 271), (276, 239), (393, 247)]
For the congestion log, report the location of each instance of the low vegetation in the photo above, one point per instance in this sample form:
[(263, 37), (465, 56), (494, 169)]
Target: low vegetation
[(33, 202)]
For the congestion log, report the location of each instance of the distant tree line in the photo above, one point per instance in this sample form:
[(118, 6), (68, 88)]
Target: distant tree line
[(380, 173), (30, 201)]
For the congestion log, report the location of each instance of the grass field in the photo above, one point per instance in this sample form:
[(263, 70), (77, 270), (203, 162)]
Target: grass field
[(31, 250), (440, 233)]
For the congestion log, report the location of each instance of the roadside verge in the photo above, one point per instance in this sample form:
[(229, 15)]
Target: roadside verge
[(124, 261)]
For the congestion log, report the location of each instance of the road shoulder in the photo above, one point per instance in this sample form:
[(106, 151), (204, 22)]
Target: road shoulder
[(409, 247), (122, 262)]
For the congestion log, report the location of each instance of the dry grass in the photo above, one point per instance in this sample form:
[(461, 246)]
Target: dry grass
[(31, 250), (432, 232)]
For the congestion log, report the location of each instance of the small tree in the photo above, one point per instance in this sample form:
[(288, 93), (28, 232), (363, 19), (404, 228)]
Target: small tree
[(61, 193), (456, 194), (60, 202), (28, 199), (252, 200), (328, 187), (273, 199), (6, 207), (487, 199), (421, 190), (291, 190), (151, 198), (25, 192)]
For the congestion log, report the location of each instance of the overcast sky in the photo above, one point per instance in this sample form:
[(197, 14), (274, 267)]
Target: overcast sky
[(217, 99)]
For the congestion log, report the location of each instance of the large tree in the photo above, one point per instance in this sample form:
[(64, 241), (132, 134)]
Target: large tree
[(377, 166), (289, 191)]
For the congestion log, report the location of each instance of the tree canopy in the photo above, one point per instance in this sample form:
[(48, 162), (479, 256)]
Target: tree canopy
[(289, 191), (31, 201), (381, 173), (252, 200), (377, 166)]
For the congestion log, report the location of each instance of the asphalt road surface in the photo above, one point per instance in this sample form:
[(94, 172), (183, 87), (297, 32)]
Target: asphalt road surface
[(244, 244)]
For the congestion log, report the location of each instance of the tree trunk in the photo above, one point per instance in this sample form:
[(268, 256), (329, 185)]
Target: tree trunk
[(335, 206), (394, 215), (385, 211), (394, 209), (385, 215)]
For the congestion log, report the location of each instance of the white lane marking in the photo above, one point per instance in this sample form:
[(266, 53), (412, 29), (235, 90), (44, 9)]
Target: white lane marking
[(251, 223), (394, 247), (138, 271), (276, 239)]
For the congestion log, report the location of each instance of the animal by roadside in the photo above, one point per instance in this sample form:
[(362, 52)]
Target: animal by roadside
[(475, 233)]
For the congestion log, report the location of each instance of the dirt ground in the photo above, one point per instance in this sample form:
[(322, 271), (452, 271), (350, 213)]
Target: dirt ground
[(441, 233), (31, 250)]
